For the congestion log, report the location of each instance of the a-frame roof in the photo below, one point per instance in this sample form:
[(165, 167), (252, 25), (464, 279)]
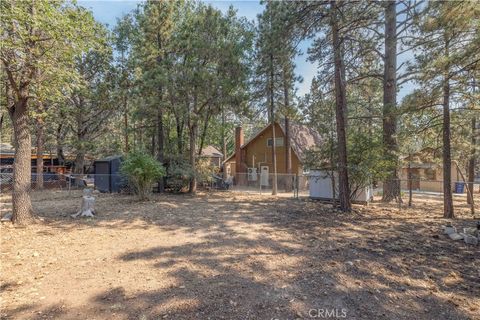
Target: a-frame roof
[(302, 138)]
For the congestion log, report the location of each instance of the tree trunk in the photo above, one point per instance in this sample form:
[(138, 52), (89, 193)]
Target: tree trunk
[(391, 186), (288, 155), (193, 138), (22, 165), (80, 132), (447, 160), (288, 150), (160, 146), (340, 99), (203, 136), (79, 162), (160, 137), (274, 160), (224, 143), (179, 127), (59, 139), (471, 162), (153, 141), (272, 120), (87, 208), (125, 123), (40, 146), (410, 182)]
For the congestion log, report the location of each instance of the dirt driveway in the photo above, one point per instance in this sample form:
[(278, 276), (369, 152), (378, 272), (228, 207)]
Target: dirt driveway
[(235, 256)]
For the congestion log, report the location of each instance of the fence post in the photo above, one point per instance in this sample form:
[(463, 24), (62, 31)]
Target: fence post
[(260, 183), (296, 184)]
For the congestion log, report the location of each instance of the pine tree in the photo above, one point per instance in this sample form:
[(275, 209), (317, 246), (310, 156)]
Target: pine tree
[(449, 39)]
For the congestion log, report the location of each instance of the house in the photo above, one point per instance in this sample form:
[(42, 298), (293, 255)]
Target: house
[(50, 161), (255, 156), (212, 153), (427, 171)]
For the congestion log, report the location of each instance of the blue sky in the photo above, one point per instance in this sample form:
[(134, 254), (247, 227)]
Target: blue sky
[(107, 12)]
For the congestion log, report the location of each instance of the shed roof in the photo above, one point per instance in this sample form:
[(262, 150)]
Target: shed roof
[(110, 158), (211, 151)]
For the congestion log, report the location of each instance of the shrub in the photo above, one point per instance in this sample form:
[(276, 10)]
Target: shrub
[(205, 170), (142, 170), (179, 174)]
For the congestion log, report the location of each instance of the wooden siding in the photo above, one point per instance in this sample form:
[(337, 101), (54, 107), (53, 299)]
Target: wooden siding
[(256, 153)]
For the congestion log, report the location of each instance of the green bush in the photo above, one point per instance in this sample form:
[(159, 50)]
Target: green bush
[(142, 170), (179, 174), (205, 170)]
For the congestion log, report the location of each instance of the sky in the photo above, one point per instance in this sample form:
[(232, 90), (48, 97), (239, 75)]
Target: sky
[(107, 12)]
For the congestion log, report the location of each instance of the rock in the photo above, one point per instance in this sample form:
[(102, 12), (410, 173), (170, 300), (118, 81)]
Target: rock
[(449, 229), (471, 231), (470, 239), (455, 236), (7, 217), (35, 254)]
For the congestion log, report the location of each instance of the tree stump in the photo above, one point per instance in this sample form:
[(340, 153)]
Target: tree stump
[(88, 203)]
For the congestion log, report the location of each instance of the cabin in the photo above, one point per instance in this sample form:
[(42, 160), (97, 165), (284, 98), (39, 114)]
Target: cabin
[(50, 161), (253, 157), (211, 153), (426, 170), (53, 171)]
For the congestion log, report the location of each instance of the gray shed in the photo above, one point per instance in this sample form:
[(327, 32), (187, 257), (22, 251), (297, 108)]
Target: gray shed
[(107, 174)]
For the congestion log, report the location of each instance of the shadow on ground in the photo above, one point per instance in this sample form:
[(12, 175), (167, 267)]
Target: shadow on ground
[(265, 258)]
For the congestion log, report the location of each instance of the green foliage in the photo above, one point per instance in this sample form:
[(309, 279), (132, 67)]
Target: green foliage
[(39, 42), (179, 174), (142, 170), (275, 49), (366, 163), (205, 170)]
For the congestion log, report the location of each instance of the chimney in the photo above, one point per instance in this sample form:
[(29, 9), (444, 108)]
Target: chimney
[(238, 153)]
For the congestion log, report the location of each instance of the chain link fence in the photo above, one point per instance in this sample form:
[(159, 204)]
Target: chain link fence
[(67, 182), (421, 186), (422, 192), (287, 184)]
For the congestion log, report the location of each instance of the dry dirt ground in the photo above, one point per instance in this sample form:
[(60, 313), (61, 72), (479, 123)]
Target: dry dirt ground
[(236, 256)]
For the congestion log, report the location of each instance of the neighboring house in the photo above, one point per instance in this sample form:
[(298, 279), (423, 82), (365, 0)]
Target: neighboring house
[(50, 161), (427, 172), (212, 153), (256, 154)]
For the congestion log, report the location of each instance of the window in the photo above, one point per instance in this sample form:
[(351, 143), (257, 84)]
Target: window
[(431, 174), (278, 142)]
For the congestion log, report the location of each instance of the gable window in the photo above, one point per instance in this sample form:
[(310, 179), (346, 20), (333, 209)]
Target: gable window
[(278, 142)]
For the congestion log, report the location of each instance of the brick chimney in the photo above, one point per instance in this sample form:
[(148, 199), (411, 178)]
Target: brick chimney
[(239, 140)]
